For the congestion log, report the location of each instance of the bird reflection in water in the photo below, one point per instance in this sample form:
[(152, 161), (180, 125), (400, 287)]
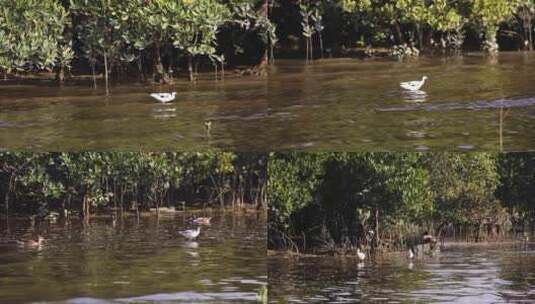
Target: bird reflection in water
[(191, 245), (164, 111), (415, 96), (190, 248)]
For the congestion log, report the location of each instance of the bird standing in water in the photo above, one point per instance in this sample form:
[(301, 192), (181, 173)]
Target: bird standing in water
[(413, 85), (31, 242), (191, 234), (164, 97), (208, 126), (202, 220), (361, 255)]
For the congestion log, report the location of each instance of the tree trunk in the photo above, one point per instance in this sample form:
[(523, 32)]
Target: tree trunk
[(266, 14), (140, 67), (60, 75), (94, 76), (106, 73), (123, 190), (491, 34), (85, 208), (6, 202), (420, 34), (478, 228), (311, 47), (9, 189), (161, 73), (221, 193), (376, 243), (398, 32), (530, 40), (306, 49), (321, 44), (190, 68)]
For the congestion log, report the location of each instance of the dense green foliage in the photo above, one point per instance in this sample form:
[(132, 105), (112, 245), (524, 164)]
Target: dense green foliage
[(113, 37), (161, 37), (31, 35), (42, 182), (407, 24), (328, 199), (517, 187)]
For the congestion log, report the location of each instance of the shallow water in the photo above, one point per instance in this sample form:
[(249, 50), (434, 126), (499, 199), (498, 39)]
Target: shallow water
[(459, 274), (470, 103), (137, 262)]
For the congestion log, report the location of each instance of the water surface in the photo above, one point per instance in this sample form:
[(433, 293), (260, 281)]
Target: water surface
[(459, 274), (137, 262), (473, 102)]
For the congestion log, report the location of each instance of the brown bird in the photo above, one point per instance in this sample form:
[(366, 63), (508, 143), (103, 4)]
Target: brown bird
[(202, 220), (31, 242)]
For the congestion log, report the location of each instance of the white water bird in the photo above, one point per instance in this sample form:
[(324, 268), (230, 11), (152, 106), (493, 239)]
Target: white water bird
[(164, 97), (191, 234), (208, 126), (361, 255), (413, 85)]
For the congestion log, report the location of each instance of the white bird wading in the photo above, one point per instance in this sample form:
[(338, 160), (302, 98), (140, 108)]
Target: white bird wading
[(191, 234), (164, 97), (413, 85)]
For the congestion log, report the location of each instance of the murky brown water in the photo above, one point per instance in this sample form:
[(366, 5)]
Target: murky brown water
[(137, 262), (354, 105), (338, 104), (459, 274)]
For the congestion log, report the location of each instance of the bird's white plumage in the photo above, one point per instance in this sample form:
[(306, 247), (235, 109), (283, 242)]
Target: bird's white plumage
[(164, 97), (361, 255), (411, 253), (190, 234), (413, 85)]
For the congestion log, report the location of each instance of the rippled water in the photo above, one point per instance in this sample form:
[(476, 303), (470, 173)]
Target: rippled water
[(42, 117), (353, 105), (459, 274), (470, 103), (137, 262)]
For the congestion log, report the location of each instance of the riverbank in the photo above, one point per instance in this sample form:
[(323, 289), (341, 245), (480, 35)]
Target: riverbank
[(57, 215), (282, 253), (87, 183), (240, 71), (358, 54), (98, 80)]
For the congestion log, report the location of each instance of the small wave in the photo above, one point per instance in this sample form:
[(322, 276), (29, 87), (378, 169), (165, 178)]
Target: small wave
[(178, 297), (189, 297), (476, 105)]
